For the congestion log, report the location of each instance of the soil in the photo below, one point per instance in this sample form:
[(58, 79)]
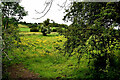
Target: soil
[(18, 72)]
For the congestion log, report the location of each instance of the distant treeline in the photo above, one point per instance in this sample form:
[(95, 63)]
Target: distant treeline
[(37, 24)]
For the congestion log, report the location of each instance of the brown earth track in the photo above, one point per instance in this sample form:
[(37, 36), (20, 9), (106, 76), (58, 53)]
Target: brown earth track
[(18, 72)]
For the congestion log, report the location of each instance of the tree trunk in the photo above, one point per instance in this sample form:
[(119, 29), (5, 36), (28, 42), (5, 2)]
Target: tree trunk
[(44, 34)]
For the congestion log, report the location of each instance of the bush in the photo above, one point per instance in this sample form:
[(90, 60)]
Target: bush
[(60, 30), (54, 30), (34, 30), (44, 31)]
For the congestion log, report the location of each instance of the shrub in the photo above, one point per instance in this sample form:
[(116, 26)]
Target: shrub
[(44, 31), (34, 30), (54, 30), (60, 30)]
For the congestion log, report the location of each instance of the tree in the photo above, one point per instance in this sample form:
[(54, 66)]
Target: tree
[(12, 13), (45, 28), (12, 10), (88, 12), (92, 32), (34, 28), (46, 22), (82, 14)]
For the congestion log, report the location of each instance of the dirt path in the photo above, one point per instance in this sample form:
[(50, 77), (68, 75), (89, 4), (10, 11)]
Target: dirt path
[(18, 72)]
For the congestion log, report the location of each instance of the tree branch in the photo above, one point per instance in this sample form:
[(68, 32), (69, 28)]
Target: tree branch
[(63, 4), (5, 52), (7, 56), (47, 3)]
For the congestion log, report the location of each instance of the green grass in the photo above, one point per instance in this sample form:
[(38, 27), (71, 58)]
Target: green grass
[(25, 26), (38, 54), (24, 29)]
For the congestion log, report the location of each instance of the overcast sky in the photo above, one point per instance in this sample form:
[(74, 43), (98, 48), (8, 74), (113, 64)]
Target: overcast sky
[(55, 13)]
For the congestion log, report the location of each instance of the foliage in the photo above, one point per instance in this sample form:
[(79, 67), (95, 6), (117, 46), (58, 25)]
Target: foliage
[(12, 32), (44, 31), (61, 28), (45, 28), (33, 25), (46, 22), (88, 11), (54, 30), (12, 12), (103, 48), (96, 38), (12, 9), (34, 30), (9, 34)]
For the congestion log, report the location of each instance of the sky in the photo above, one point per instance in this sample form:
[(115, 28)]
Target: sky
[(55, 13)]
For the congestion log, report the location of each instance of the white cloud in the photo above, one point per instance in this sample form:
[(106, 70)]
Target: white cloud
[(55, 12)]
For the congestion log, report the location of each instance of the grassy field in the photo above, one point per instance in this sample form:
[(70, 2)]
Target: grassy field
[(23, 28), (40, 54)]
